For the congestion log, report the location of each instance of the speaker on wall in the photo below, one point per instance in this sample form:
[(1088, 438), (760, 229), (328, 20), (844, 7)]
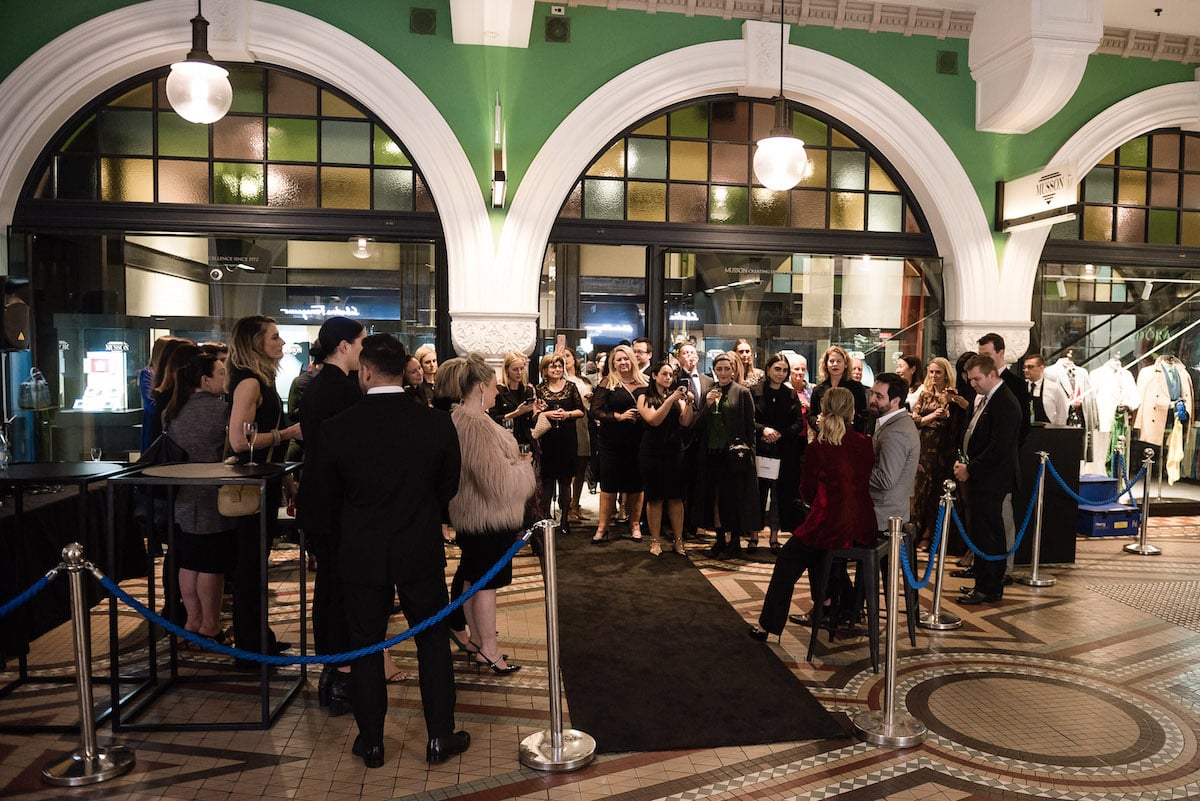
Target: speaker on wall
[(558, 29)]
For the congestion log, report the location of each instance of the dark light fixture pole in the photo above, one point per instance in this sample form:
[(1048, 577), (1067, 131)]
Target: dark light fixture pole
[(197, 88), (779, 160)]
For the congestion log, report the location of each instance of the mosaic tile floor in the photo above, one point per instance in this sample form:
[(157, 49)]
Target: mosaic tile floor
[(1085, 690)]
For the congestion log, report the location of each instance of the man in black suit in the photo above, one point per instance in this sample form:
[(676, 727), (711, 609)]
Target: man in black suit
[(992, 345), (390, 508), (643, 355), (698, 386), (990, 475), (331, 391)]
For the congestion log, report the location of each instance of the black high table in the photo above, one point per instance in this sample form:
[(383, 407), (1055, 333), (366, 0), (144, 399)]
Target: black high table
[(204, 475), (19, 574)]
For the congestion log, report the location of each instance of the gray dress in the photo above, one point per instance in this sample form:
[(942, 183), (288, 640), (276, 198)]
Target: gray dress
[(200, 430)]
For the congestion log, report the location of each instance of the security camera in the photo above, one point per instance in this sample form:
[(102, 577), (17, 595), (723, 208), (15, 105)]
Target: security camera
[(216, 274)]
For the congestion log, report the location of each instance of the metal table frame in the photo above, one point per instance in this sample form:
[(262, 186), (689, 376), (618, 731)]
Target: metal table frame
[(152, 685), (18, 477)]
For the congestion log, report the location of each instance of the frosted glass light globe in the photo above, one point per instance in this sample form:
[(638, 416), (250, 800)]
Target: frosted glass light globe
[(199, 92), (780, 162)]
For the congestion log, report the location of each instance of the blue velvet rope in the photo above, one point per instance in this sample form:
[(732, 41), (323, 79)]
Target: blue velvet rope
[(1020, 533), (328, 659), (933, 548), (1088, 502), (25, 597)]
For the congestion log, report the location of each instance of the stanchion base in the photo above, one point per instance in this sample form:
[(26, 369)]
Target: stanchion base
[(1029, 581), (1144, 550), (942, 621), (75, 769), (905, 731), (577, 750)]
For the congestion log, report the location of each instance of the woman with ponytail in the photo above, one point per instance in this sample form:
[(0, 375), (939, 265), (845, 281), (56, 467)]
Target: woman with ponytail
[(837, 467)]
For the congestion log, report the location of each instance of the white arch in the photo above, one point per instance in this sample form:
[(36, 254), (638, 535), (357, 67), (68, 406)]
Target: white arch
[(38, 97), (927, 164), (1161, 107)]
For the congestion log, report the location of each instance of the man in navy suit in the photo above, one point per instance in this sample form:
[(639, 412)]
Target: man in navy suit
[(990, 474)]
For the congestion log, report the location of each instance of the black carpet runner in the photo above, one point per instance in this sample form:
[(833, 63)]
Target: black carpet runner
[(654, 658)]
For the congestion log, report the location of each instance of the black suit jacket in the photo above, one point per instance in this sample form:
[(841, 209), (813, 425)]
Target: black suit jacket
[(992, 464), (393, 468), (329, 393), (1020, 391)]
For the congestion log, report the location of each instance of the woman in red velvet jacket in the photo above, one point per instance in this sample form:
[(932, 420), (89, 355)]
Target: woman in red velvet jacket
[(837, 466)]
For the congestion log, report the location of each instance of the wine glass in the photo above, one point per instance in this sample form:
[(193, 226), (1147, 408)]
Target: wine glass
[(96, 454), (251, 429)]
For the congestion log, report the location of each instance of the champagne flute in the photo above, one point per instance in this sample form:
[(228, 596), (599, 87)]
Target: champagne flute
[(251, 429), (96, 454)]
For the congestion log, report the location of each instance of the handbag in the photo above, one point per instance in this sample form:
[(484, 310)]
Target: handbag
[(34, 393), (240, 500), (542, 425), (740, 457), (768, 467)]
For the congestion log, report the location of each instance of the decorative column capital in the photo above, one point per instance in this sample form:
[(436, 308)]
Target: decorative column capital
[(493, 335), (963, 335)]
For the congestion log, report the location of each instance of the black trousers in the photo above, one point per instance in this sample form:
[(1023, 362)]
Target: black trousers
[(794, 558), (248, 612), (368, 607), (328, 612), (985, 526)]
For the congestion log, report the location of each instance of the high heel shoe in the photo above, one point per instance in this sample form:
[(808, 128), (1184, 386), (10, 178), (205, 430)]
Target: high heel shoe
[(752, 544), (656, 548), (679, 549), (775, 546), (601, 537), (482, 661)]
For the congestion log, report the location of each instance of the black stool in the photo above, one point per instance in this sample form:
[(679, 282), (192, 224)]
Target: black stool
[(870, 561)]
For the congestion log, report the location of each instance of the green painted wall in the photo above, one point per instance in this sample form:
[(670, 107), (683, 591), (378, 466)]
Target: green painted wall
[(540, 85)]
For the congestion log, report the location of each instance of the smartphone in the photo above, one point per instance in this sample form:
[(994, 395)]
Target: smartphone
[(560, 343)]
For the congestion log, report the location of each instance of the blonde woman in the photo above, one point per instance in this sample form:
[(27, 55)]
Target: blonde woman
[(940, 414), (837, 467), (614, 405), (560, 442), (583, 451), (834, 371)]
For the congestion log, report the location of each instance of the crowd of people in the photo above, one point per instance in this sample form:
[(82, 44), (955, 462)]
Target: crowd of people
[(741, 452)]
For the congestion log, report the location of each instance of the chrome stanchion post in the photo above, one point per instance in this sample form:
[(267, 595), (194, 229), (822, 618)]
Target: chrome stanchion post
[(1032, 578), (936, 619), (92, 763), (554, 749), (890, 727), (1141, 546)]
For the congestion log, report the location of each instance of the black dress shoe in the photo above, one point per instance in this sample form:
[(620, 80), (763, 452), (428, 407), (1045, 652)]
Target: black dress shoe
[(978, 597), (442, 748), (340, 694), (1008, 579), (968, 573), (758, 634), (325, 685), (372, 755)]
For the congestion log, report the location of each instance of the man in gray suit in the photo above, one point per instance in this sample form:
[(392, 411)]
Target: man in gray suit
[(897, 449)]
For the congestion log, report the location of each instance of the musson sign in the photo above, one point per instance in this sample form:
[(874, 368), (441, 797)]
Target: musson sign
[(1046, 197)]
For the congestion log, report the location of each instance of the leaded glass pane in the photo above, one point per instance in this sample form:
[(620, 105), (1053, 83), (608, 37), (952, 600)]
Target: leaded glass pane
[(763, 121), (1164, 226), (83, 139), (689, 161), (819, 176), (603, 199), (424, 199), (848, 169), (1098, 186), (573, 208), (731, 120), (1164, 189), (334, 106), (138, 97), (394, 190), (730, 163), (839, 139), (178, 137), (1191, 153), (183, 182), (346, 142), (646, 158), (1131, 187), (1190, 229), (808, 208), (290, 95), (885, 213), (345, 188), (880, 181), (647, 201), (127, 180), (1166, 151), (238, 184), (1131, 225), (611, 164), (1191, 191), (126, 132), (292, 185), (75, 178), (689, 203), (690, 122), (814, 132), (656, 127), (1097, 224), (247, 83), (847, 210), (290, 139), (1133, 152), (387, 152), (768, 207), (728, 205), (238, 138)]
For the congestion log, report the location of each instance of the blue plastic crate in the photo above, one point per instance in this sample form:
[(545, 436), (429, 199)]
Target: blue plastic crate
[(1097, 489), (1110, 520)]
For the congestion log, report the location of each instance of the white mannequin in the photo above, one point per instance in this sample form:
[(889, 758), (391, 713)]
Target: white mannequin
[(1113, 386)]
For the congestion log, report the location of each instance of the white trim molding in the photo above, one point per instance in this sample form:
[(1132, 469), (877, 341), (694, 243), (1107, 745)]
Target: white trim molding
[(858, 99), (42, 93)]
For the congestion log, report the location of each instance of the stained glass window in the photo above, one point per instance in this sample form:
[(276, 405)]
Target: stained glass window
[(286, 142)]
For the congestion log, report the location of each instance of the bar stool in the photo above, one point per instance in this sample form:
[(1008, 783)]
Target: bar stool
[(870, 560)]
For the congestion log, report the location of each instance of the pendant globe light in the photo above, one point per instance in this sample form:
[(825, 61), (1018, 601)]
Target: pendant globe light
[(197, 88), (779, 160)]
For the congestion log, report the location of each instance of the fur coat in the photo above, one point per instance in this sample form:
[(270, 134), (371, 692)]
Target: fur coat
[(495, 481)]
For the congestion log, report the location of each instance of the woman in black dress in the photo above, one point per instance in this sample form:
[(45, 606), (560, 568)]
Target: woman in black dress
[(835, 372), (666, 410), (559, 443), (516, 405), (615, 407), (730, 485), (255, 349), (782, 434)]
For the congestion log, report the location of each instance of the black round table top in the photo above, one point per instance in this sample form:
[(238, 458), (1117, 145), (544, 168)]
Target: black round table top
[(212, 470), (58, 471)]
